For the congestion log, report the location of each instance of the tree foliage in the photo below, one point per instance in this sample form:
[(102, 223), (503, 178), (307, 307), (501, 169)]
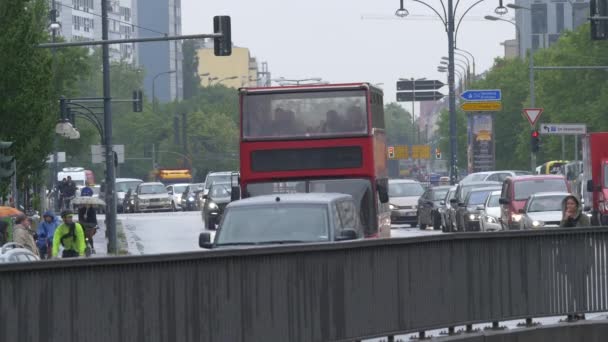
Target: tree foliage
[(192, 80), (567, 96)]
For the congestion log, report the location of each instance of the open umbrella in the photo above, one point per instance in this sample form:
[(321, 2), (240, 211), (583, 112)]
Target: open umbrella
[(9, 212), (84, 200)]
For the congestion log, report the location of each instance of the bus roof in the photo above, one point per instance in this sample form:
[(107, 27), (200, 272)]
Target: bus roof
[(337, 86)]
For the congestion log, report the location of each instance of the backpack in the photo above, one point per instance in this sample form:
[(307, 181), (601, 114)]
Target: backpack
[(71, 233)]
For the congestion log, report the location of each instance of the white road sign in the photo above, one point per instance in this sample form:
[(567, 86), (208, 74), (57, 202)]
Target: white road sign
[(563, 129)]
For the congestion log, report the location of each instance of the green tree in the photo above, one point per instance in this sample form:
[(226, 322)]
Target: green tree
[(398, 124)]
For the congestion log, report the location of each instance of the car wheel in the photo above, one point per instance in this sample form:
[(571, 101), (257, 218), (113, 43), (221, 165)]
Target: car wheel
[(173, 206), (436, 221)]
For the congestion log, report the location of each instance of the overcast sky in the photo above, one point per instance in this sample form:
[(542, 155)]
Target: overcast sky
[(351, 41)]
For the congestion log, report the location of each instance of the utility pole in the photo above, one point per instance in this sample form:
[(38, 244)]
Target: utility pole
[(452, 96), (107, 122), (55, 144), (532, 99)]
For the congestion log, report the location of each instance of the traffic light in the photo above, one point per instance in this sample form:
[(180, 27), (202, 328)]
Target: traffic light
[(6, 161), (535, 141), (437, 153), (391, 152), (138, 101), (222, 46)]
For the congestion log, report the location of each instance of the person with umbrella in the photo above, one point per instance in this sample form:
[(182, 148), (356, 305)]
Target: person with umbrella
[(87, 217)]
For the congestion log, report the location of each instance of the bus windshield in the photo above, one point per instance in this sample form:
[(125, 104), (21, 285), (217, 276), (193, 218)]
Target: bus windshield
[(304, 114)]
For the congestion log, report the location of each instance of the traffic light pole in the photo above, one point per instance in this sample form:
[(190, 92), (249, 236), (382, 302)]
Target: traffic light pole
[(532, 105)]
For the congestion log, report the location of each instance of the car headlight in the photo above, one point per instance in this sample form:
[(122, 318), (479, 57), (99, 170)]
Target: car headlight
[(131, 201), (190, 199), (516, 217), (491, 219), (536, 223), (212, 205), (392, 206), (472, 217)]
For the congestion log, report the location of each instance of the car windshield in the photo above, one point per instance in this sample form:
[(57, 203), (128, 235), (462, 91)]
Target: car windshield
[(178, 189), (405, 189), (546, 203), (125, 186), (216, 178), (220, 190), (274, 223), (526, 188), (451, 194), (152, 189), (438, 195), (478, 197), (304, 115), (493, 202)]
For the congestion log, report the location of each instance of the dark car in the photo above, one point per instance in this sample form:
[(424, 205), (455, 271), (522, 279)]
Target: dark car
[(286, 219), (429, 204), (215, 201), (462, 190), (446, 210), (469, 212), (189, 196)]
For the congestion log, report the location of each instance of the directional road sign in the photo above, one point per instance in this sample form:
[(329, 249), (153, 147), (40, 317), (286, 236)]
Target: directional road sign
[(419, 96), (563, 129), (419, 85), (482, 95), (532, 114), (493, 106)]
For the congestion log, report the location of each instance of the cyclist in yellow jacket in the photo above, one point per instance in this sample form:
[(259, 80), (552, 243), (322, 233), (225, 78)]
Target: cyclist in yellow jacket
[(69, 234)]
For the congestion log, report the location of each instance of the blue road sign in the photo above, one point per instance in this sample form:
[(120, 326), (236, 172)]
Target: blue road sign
[(482, 95)]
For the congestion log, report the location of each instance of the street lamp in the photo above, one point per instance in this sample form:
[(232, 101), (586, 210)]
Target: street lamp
[(401, 12), (517, 31), (227, 78), (459, 52), (154, 87), (501, 10), (448, 19)]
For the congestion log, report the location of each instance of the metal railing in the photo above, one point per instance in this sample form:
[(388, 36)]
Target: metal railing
[(321, 292)]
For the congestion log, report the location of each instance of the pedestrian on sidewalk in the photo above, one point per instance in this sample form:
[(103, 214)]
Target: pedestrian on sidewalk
[(24, 235), (70, 235), (46, 231)]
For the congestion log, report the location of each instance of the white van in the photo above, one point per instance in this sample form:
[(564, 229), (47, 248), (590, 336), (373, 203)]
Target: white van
[(78, 174)]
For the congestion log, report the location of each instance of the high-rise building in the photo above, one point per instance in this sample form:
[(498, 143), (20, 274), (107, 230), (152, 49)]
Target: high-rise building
[(237, 70), (543, 21), (81, 20), (162, 61)]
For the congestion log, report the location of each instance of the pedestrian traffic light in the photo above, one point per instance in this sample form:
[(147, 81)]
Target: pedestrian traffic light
[(535, 141), (6, 161), (222, 46), (138, 101), (437, 153)]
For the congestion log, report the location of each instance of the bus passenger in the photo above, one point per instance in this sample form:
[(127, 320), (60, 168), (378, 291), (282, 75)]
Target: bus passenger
[(356, 120), (333, 123)]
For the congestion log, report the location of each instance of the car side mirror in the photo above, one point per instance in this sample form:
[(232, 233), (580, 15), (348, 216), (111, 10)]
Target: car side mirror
[(521, 211), (382, 192), (347, 234), (453, 201), (590, 185), (481, 207), (235, 193), (204, 240), (504, 201)]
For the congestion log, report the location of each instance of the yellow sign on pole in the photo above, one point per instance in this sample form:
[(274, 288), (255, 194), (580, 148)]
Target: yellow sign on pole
[(492, 106), (401, 152), (421, 152)]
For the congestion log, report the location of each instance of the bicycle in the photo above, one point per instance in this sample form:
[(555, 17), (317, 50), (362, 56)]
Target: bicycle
[(89, 232)]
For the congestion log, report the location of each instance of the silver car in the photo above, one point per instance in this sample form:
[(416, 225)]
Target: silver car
[(151, 196), (403, 197), (542, 210), (490, 213), (176, 191), (493, 176)]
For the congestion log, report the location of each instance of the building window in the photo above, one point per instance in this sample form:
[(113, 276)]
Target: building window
[(580, 13), (553, 38), (539, 18), (535, 42), (559, 17)]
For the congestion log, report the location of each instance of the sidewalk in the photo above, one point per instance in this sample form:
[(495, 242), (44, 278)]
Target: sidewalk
[(101, 242)]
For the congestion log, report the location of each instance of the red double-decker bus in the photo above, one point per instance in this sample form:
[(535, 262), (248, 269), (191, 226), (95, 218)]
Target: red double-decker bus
[(321, 138)]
